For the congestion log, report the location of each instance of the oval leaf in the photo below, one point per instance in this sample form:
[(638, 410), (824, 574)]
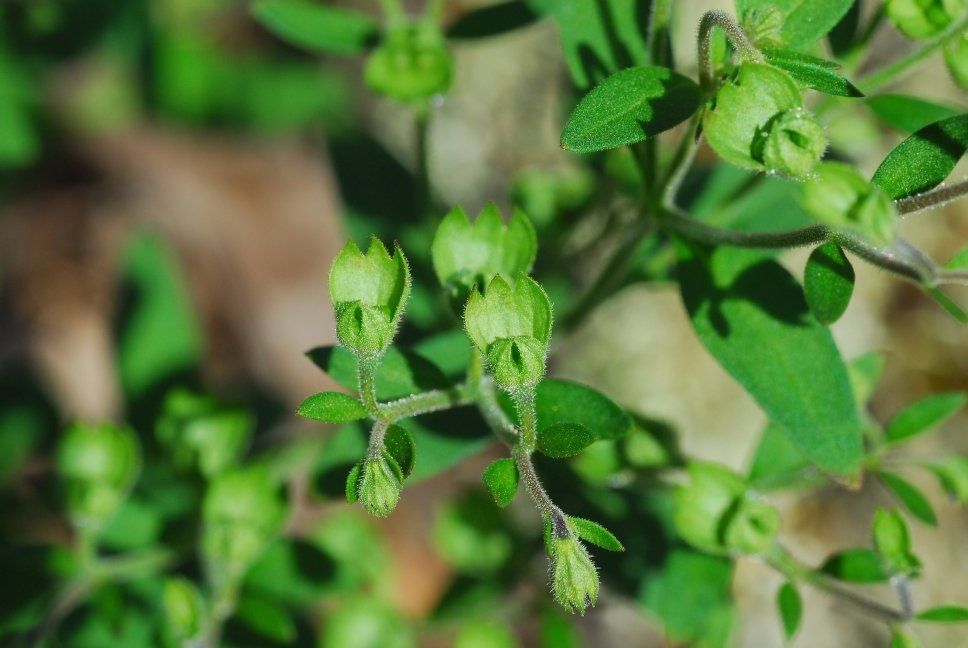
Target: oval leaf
[(751, 315), (595, 533), (399, 443), (790, 605), (628, 107), (562, 440), (562, 401), (944, 614), (908, 114), (805, 21), (855, 566), (316, 27), (924, 160), (813, 72), (501, 480), (332, 407), (828, 283), (912, 498), (401, 372), (267, 618), (923, 415)]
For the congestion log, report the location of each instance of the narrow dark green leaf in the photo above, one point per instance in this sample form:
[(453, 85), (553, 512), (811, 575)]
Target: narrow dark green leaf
[(316, 27), (791, 608), (353, 484), (858, 565), (501, 480), (752, 317), (912, 498), (562, 440), (492, 20), (944, 614), (400, 444), (562, 401), (595, 533), (813, 72), (924, 160), (923, 415), (267, 618), (828, 282), (908, 114), (805, 21), (401, 372), (628, 107), (332, 407)]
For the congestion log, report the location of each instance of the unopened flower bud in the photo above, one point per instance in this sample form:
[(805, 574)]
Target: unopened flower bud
[(379, 485), (752, 527), (703, 504), (762, 25), (840, 197), (184, 608), (412, 63), (574, 576), (924, 19), (517, 362), (794, 143)]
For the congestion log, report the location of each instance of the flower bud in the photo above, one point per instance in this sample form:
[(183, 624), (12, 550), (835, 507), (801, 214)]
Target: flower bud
[(574, 576), (762, 25), (956, 56), (517, 362), (703, 505), (184, 608), (757, 121), (924, 19), (412, 63), (379, 486), (840, 197), (97, 465), (752, 527), (369, 293)]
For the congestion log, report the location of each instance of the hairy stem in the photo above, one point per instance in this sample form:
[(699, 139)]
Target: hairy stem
[(366, 381), (494, 415), (426, 402), (528, 417), (681, 223), (681, 161), (879, 78), (933, 198), (724, 21), (378, 435), (539, 495)]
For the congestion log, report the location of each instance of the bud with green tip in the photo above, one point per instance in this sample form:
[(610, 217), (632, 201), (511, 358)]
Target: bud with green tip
[(840, 197), (411, 64), (757, 121), (379, 485), (924, 19), (574, 579), (466, 254), (512, 328), (369, 292), (97, 465), (243, 512), (184, 608)]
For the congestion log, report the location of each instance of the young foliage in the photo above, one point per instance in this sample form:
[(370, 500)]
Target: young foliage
[(316, 27), (801, 22), (595, 533), (790, 605), (332, 407), (912, 498), (501, 480), (828, 283), (923, 415), (840, 197), (944, 614), (924, 160), (893, 544), (813, 72), (858, 565)]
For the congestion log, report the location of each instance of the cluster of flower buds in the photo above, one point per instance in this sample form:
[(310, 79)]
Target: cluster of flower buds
[(411, 64), (574, 578)]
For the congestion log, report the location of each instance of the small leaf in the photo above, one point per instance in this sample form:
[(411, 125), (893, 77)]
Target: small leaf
[(828, 283), (401, 372), (332, 407), (501, 480), (789, 603), (813, 72), (353, 484), (562, 401), (315, 27), (923, 161), (858, 565), (492, 20), (805, 21), (923, 415), (944, 614), (267, 618), (865, 373), (400, 444), (959, 261), (893, 543), (595, 533), (901, 637), (562, 440), (908, 114), (948, 304), (952, 473), (628, 107), (912, 498)]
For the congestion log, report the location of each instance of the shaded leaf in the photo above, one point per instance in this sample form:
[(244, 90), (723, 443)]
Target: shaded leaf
[(813, 72), (316, 27), (266, 618), (924, 160), (562, 440), (923, 415), (952, 474), (332, 407), (501, 480), (401, 372), (805, 21), (858, 565), (828, 283), (790, 605), (944, 614), (912, 498), (595, 533), (400, 444), (492, 20), (908, 114), (563, 401)]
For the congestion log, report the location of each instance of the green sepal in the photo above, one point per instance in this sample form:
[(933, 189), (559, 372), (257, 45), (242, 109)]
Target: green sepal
[(380, 483), (353, 484), (840, 197), (516, 362), (594, 533), (574, 578), (411, 64), (892, 542)]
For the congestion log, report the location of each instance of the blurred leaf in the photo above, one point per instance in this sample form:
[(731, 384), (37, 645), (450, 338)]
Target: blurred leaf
[(557, 631), (449, 351), (892, 541), (952, 473), (908, 114), (595, 533), (921, 416), (492, 20), (316, 27), (471, 534), (501, 480), (865, 373), (332, 407), (562, 401), (813, 72), (790, 605), (266, 618), (751, 315), (778, 463), (805, 21), (828, 283), (291, 571), (912, 498), (903, 638), (959, 261), (136, 524), (400, 444), (21, 429), (485, 634), (365, 623), (401, 372), (562, 440), (19, 138), (944, 614), (855, 566), (628, 107), (948, 304), (924, 160)]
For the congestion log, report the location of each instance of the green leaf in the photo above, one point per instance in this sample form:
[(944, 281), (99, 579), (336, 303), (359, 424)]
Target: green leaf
[(912, 498), (858, 565), (959, 261), (828, 283), (266, 618), (948, 304), (501, 480), (291, 571), (446, 439), (628, 107), (751, 315), (332, 407), (952, 474), (901, 637), (923, 415), (790, 605), (353, 484), (316, 27), (492, 20), (595, 533), (779, 463), (924, 160), (908, 114), (944, 614), (401, 372), (805, 21), (401, 446), (563, 401), (893, 543), (865, 373), (813, 72), (563, 440)]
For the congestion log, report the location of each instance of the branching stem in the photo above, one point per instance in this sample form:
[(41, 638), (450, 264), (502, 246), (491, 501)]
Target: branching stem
[(724, 21), (933, 198)]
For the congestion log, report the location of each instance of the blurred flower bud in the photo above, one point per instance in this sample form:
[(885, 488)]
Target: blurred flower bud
[(793, 143), (762, 25), (956, 56), (379, 486), (840, 197), (752, 527), (924, 19), (704, 503), (369, 293), (574, 576), (411, 64), (184, 608), (517, 362), (97, 465)]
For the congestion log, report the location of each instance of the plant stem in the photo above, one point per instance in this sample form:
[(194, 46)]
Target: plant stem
[(681, 161), (539, 495), (366, 381), (393, 13), (422, 126), (901, 258), (378, 435), (953, 277), (891, 72), (681, 223), (527, 416), (934, 198), (743, 46), (494, 415), (659, 31), (426, 402)]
